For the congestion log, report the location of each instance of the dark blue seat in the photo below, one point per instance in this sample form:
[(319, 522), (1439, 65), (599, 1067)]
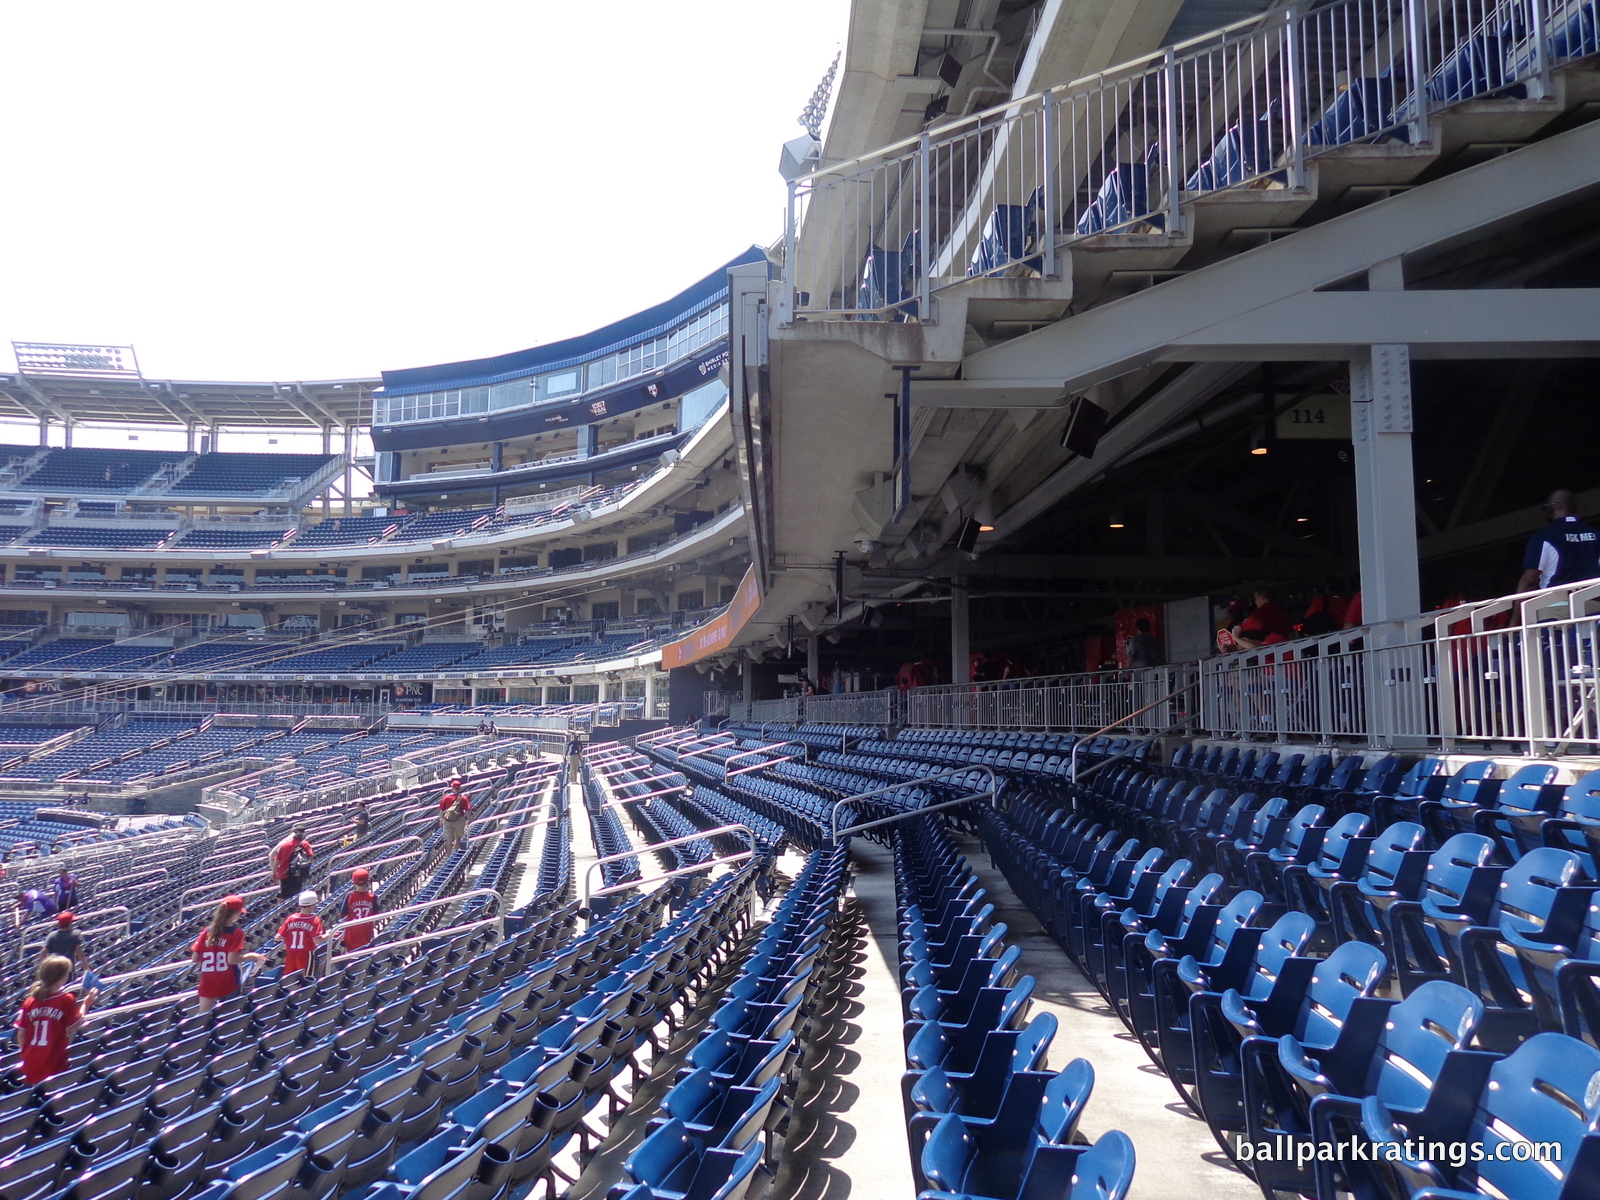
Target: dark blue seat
[(1123, 197), (1362, 110), (1543, 1092), (1011, 237), (1236, 157), (1234, 1034), (1458, 890), (1379, 1047), (955, 1162)]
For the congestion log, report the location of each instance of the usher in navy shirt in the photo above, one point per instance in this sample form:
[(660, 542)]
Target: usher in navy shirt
[(1564, 551)]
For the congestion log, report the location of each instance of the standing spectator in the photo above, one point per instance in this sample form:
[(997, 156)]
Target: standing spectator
[(219, 951), (67, 942), (48, 1019), (32, 903), (1143, 649), (362, 902), (65, 886), (1565, 551), (291, 862), (300, 933), (454, 809)]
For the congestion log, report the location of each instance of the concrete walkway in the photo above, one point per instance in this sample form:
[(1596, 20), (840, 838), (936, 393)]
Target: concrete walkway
[(1176, 1154), (848, 1133)]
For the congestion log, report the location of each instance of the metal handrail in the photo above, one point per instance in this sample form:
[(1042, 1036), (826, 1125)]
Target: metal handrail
[(211, 887), (627, 884), (770, 749), (1123, 720), (619, 801), (127, 927), (417, 939), (420, 906), (405, 856), (1129, 752), (590, 869), (606, 780), (355, 850), (835, 833), (732, 741), (660, 736), (494, 833)]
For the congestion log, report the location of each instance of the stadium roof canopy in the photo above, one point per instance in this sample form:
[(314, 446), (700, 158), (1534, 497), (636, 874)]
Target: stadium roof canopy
[(74, 384)]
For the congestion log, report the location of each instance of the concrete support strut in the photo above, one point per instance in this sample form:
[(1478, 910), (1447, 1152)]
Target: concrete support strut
[(960, 632), (1386, 522)]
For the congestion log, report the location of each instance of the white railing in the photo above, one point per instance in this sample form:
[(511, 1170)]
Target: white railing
[(854, 708), (1002, 191), (1080, 703), (1518, 671)]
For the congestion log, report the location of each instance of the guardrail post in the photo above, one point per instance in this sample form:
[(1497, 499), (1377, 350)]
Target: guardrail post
[(924, 233), (1417, 59), (1540, 13), (1169, 144), (1294, 102), (1048, 178)]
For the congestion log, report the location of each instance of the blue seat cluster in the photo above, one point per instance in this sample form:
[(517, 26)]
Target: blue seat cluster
[(734, 1090), (246, 473), (984, 1119)]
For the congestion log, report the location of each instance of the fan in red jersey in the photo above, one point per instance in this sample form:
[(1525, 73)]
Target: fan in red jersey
[(48, 1019), (219, 951), (362, 902), (301, 933)]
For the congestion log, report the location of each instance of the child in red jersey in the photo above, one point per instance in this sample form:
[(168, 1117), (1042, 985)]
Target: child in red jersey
[(48, 1019), (361, 902), (300, 934), (219, 951)]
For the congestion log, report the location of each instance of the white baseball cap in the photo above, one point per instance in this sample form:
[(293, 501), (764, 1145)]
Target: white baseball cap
[(309, 896)]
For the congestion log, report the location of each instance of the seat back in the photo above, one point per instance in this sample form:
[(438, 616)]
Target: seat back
[(1451, 867), (1352, 970), (1388, 851), (1064, 1098), (1463, 785), (1528, 890), (1294, 834), (1235, 915), (1286, 938), (1548, 1090), (1337, 841), (1582, 798), (1424, 1027)]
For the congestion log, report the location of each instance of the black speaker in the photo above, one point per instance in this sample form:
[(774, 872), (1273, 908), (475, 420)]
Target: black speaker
[(967, 536), (1084, 423)]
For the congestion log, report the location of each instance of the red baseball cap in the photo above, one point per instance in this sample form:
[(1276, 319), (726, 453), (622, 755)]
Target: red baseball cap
[(64, 918), (234, 903), (361, 875)]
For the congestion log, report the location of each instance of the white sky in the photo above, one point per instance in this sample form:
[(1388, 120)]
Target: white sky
[(324, 190)]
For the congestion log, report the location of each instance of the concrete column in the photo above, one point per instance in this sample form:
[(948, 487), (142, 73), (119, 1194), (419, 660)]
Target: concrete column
[(44, 431), (747, 671), (960, 633), (813, 658), (1386, 506)]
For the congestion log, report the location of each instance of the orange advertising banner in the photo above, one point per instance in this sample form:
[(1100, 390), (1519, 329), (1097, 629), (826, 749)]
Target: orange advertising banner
[(717, 634)]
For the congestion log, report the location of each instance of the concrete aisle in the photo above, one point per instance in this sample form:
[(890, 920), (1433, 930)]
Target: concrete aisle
[(533, 849), (1176, 1154), (848, 1136)]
